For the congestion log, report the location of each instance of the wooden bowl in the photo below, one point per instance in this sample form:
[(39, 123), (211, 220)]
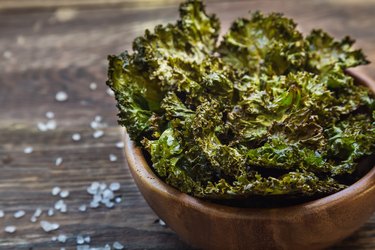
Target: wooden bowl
[(312, 225)]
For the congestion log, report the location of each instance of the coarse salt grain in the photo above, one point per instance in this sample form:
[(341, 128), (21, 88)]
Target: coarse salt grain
[(61, 96), (98, 118), (76, 137), (114, 186), (28, 150), (118, 200), (10, 229), (112, 157), (55, 191), (50, 115), (7, 54), (87, 239), (108, 194), (82, 208), (64, 193), (98, 134), (48, 226), (117, 245), (58, 161), (51, 125), (38, 212), (162, 223), (93, 86), (110, 92), (2, 213), (80, 240), (59, 204), (62, 238), (109, 204), (119, 144), (42, 127), (19, 214), (85, 247), (94, 204), (50, 212)]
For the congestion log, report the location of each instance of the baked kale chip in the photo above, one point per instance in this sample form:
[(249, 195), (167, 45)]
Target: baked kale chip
[(265, 112)]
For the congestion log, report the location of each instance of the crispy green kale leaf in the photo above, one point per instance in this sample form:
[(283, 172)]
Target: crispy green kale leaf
[(264, 44), (267, 112), (324, 53)]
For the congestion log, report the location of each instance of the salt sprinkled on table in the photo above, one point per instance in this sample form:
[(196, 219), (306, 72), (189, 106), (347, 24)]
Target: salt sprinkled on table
[(76, 137), (28, 150), (61, 96), (10, 229), (19, 214), (48, 226)]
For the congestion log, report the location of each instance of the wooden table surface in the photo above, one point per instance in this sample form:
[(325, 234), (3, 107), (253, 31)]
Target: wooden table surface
[(51, 46)]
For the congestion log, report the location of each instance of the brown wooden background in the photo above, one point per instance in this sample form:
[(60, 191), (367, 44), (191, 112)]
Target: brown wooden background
[(48, 46)]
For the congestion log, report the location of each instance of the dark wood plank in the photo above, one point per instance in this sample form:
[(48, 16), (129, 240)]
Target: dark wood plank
[(45, 50)]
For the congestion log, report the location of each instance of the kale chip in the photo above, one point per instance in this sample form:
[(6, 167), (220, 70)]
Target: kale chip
[(265, 112)]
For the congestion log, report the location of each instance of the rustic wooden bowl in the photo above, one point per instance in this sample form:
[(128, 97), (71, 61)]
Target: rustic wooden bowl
[(312, 225)]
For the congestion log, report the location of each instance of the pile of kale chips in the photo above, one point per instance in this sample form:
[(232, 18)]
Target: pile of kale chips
[(266, 112)]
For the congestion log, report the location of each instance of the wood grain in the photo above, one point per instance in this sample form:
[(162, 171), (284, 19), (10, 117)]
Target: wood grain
[(45, 50)]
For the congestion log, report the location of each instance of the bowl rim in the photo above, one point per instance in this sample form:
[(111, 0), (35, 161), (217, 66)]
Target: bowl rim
[(139, 166)]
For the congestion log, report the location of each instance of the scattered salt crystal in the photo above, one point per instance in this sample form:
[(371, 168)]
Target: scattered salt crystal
[(119, 144), (76, 137), (50, 115), (42, 127), (59, 204), (62, 248), (102, 186), (61, 96), (84, 247), (108, 194), (162, 223), (114, 186), (19, 214), (55, 191), (54, 238), (50, 212), (82, 208), (97, 198), (93, 86), (38, 212), (33, 219), (62, 238), (98, 118), (93, 188), (10, 229), (112, 157), (94, 204), (110, 92), (98, 134), (80, 240), (109, 204), (118, 200), (21, 40), (51, 125), (2, 213), (87, 239), (48, 226), (117, 245), (7, 54), (64, 209), (28, 150), (58, 161), (107, 247), (64, 193)]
